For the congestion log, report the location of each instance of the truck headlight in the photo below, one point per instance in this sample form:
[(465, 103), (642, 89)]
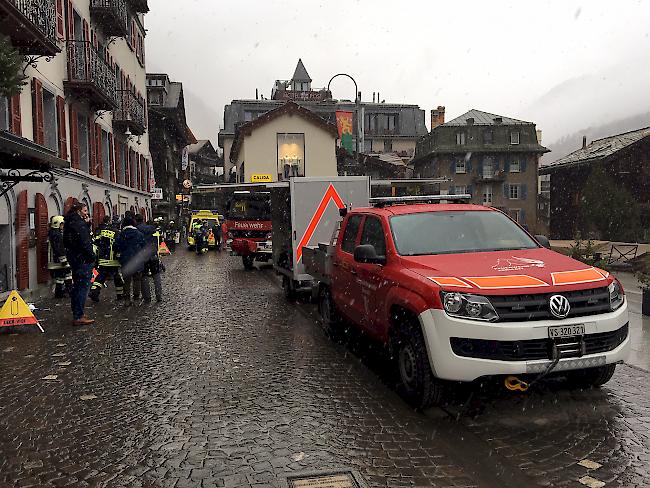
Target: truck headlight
[(474, 307), (616, 295)]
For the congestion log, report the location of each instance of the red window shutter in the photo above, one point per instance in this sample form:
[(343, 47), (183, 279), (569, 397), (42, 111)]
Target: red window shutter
[(87, 48), (70, 21), (59, 19), (100, 152), (16, 121), (42, 221), (74, 139), (63, 139), (92, 143), (98, 214), (118, 159), (111, 157), (127, 166), (37, 111), (22, 242)]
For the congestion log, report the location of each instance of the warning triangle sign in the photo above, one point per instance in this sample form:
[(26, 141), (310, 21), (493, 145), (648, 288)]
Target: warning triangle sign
[(163, 250), (95, 275), (16, 312)]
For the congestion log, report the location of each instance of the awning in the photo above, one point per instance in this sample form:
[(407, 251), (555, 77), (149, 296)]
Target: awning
[(22, 160), (19, 153)]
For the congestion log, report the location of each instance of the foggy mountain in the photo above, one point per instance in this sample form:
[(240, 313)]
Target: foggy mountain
[(572, 142)]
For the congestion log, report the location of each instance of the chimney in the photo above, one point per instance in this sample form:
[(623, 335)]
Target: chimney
[(373, 97), (437, 117), (584, 142)]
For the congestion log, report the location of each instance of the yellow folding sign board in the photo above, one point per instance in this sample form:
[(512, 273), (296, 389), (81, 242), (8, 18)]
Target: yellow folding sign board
[(163, 250), (259, 178), (16, 312)]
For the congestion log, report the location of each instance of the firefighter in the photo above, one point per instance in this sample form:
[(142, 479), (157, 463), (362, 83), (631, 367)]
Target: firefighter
[(108, 264), (57, 262)]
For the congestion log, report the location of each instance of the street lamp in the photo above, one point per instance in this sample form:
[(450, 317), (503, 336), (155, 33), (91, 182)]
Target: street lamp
[(357, 104)]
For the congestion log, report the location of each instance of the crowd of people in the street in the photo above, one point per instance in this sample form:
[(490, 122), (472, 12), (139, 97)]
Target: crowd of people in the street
[(126, 251)]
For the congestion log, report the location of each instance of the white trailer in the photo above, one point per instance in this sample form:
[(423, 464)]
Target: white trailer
[(307, 213)]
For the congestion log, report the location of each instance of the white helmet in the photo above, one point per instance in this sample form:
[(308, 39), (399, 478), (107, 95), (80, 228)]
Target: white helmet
[(56, 221)]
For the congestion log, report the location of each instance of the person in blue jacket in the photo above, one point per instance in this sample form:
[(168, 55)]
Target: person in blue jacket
[(133, 254)]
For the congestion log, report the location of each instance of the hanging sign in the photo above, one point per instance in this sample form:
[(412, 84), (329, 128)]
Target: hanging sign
[(344, 124)]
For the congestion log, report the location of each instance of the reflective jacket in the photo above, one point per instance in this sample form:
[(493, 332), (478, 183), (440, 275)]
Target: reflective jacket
[(105, 242), (56, 250)]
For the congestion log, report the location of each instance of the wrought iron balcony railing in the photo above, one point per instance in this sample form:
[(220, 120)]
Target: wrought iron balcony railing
[(129, 113), (31, 25), (91, 75), (111, 15)]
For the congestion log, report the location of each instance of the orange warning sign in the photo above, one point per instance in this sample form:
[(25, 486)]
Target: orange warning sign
[(95, 275), (163, 250), (16, 312)]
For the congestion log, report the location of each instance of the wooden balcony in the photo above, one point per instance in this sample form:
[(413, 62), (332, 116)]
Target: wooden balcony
[(490, 177), (111, 16), (90, 76), (129, 114), (30, 26)]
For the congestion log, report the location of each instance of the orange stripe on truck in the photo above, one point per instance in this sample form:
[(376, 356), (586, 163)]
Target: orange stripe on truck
[(447, 281), (588, 275), (498, 282)]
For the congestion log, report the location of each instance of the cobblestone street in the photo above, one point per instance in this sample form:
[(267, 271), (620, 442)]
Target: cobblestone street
[(227, 384)]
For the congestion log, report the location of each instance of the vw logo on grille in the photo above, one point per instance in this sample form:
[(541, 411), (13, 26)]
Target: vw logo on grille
[(559, 306)]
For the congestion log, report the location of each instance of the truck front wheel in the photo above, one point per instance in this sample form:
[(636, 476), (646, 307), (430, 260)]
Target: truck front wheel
[(591, 377), (418, 384), (248, 262)]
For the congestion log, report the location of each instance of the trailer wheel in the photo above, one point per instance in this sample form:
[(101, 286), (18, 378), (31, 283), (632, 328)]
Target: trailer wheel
[(248, 262), (591, 377), (328, 313), (418, 384), (289, 287)]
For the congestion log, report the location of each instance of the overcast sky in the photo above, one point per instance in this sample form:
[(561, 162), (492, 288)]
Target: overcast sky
[(565, 65)]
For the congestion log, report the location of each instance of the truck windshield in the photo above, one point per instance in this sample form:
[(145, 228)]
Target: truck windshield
[(249, 209), (456, 232)]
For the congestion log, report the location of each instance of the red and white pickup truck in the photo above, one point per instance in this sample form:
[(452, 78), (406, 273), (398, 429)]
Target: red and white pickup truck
[(459, 292)]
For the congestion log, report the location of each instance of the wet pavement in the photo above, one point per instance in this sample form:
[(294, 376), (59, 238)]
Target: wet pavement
[(226, 384)]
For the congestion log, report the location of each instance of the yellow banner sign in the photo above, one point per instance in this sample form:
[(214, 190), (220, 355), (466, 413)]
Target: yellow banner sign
[(261, 178)]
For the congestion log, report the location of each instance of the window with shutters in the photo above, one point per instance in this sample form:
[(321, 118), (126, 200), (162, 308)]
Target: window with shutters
[(514, 138), (4, 113), (487, 195), (460, 166), (460, 138), (515, 166), (106, 160), (50, 125), (515, 213), (515, 192), (83, 134)]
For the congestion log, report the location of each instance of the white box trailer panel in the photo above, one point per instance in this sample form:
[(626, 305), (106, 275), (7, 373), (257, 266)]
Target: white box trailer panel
[(315, 205)]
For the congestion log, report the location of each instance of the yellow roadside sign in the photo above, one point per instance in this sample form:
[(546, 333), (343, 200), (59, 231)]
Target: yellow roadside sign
[(16, 312)]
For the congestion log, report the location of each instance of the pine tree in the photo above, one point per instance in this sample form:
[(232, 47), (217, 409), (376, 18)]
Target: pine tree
[(12, 78)]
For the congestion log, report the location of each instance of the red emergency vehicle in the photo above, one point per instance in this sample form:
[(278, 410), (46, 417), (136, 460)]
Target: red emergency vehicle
[(248, 231), (459, 292)]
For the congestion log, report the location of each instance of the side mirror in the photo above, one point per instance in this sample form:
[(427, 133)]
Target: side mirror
[(366, 253), (343, 211), (543, 240)]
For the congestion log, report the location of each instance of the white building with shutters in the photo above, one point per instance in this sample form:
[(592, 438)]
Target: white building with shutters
[(84, 110)]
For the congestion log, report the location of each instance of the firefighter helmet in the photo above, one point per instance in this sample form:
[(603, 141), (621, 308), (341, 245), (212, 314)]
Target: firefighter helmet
[(56, 221)]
